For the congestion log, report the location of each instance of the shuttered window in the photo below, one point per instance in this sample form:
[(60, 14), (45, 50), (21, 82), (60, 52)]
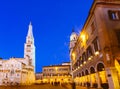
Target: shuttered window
[(95, 44), (114, 14)]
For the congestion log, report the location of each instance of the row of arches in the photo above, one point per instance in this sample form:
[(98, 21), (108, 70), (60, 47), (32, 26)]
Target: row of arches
[(91, 70), (92, 77)]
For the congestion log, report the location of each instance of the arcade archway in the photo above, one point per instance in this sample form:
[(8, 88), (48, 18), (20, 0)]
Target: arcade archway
[(101, 76), (92, 77)]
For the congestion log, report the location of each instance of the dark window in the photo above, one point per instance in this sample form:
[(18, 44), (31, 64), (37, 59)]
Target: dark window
[(82, 73), (80, 58), (83, 57), (89, 51), (100, 67), (44, 69), (114, 15), (86, 72), (12, 72), (92, 27), (92, 70), (28, 45), (95, 44), (78, 62)]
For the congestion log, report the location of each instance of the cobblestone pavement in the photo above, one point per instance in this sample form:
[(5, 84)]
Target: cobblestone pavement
[(78, 87), (43, 86)]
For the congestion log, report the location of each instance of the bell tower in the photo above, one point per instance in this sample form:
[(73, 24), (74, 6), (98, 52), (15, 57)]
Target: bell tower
[(29, 47), (73, 39)]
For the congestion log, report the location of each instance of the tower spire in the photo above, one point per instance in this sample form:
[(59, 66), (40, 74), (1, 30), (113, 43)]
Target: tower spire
[(30, 33), (73, 30)]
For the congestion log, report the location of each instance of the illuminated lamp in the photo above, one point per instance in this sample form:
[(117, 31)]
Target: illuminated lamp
[(90, 57), (83, 37), (73, 54), (84, 62), (97, 53)]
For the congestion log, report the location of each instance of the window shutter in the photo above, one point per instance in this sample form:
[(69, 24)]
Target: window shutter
[(119, 14)]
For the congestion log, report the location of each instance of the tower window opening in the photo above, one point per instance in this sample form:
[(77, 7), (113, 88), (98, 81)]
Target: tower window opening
[(28, 45)]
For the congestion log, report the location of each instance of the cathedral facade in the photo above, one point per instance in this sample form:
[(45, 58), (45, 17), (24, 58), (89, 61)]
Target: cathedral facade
[(16, 71)]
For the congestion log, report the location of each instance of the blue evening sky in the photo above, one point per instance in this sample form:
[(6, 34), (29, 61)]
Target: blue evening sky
[(52, 22)]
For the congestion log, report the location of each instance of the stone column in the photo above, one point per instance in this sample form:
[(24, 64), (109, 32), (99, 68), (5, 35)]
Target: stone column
[(91, 84), (112, 77), (86, 80), (98, 79)]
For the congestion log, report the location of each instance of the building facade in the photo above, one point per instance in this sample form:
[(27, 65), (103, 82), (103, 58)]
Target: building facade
[(39, 76), (95, 52), (16, 71), (56, 74)]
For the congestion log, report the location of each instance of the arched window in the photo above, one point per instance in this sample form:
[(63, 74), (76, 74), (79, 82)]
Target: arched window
[(100, 67), (82, 73), (92, 70), (86, 72)]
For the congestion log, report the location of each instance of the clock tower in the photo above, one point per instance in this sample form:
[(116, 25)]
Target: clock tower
[(73, 39), (29, 47)]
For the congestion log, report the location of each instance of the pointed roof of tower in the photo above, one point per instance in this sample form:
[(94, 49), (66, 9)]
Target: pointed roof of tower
[(30, 33), (73, 30)]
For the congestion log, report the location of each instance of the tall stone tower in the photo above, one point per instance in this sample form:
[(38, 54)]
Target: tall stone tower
[(29, 47), (73, 40)]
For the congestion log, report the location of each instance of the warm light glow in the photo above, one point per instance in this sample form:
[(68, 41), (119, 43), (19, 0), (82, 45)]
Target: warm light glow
[(93, 78), (81, 65), (56, 68), (90, 57), (83, 37), (97, 53), (84, 62), (117, 65), (73, 55), (103, 77)]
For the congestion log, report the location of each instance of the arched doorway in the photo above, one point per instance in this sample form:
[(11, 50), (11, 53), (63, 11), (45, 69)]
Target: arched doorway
[(102, 76), (87, 76), (92, 77), (100, 67)]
